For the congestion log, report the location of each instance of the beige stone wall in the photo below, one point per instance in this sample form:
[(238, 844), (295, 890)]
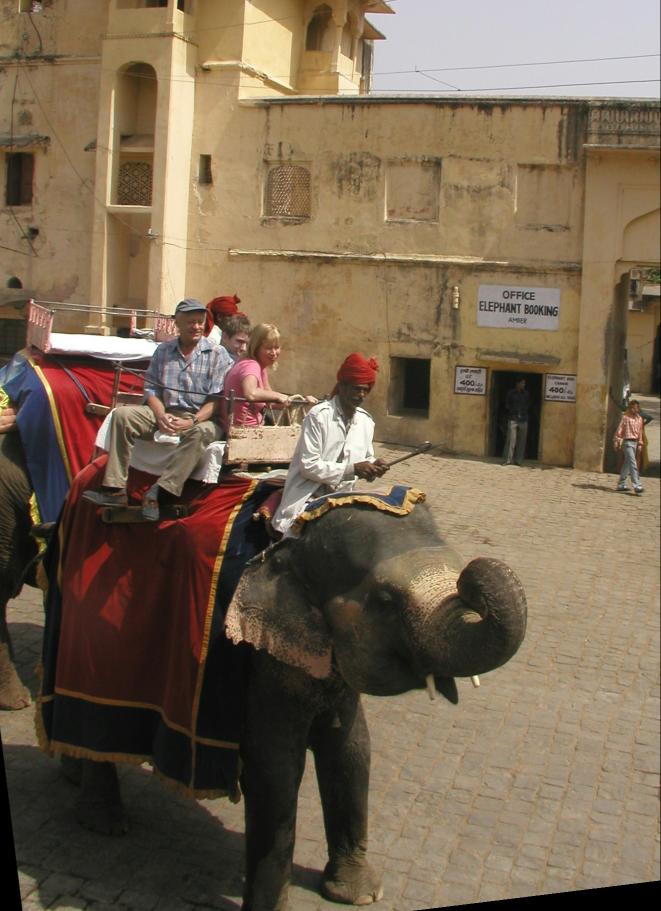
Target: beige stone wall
[(354, 224), (273, 36), (642, 330), (56, 98), (622, 194), (219, 30), (418, 185)]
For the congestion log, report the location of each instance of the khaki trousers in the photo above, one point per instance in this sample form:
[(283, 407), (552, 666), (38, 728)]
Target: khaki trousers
[(137, 422)]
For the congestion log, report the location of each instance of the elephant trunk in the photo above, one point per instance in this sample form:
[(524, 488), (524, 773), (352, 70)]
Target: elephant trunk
[(475, 629)]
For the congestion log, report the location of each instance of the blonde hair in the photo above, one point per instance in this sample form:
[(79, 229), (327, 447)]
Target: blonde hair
[(262, 332)]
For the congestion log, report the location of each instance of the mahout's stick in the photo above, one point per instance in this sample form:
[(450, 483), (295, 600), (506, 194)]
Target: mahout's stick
[(424, 447)]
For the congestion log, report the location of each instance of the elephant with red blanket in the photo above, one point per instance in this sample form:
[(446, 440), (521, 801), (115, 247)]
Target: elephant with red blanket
[(370, 599)]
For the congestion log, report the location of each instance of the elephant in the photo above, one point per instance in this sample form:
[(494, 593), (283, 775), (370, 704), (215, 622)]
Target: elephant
[(17, 551), (362, 602)]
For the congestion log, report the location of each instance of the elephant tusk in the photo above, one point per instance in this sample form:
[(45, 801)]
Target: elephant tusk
[(431, 686), (475, 681)]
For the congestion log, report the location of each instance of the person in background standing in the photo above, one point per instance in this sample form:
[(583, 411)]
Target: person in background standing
[(517, 406), (628, 440)]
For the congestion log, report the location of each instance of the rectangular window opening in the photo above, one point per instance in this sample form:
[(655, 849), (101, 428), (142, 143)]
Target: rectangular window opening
[(12, 337), (204, 174), (409, 386), (20, 170)]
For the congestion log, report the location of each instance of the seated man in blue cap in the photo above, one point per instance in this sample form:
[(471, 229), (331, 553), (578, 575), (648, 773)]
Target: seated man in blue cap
[(184, 379)]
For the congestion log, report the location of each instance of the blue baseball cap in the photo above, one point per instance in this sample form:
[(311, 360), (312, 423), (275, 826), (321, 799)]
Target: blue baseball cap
[(189, 304)]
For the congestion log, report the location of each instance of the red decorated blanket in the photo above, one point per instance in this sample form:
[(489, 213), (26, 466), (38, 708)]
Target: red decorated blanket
[(136, 663)]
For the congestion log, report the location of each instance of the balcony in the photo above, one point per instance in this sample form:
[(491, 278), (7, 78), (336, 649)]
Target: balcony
[(133, 18)]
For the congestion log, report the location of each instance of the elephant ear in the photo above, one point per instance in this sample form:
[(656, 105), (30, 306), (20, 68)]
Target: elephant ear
[(272, 609)]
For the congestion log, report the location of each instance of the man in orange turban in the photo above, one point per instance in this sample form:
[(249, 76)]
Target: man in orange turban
[(335, 447), (218, 311)]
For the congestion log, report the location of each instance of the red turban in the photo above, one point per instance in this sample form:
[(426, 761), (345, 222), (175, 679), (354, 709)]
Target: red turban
[(358, 371), (221, 306)]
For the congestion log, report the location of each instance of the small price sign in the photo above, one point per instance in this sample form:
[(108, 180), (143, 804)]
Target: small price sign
[(560, 387), (470, 380)]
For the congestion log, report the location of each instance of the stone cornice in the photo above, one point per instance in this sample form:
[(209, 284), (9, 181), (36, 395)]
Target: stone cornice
[(406, 259)]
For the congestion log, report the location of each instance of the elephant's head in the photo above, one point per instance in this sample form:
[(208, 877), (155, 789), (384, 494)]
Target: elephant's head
[(386, 597)]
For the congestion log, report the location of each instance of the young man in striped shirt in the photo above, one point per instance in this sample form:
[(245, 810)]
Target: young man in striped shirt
[(628, 440)]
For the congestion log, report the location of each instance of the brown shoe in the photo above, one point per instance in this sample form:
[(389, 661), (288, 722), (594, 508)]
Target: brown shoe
[(109, 497)]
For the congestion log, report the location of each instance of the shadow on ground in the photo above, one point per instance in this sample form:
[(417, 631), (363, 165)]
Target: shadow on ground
[(26, 641), (606, 488), (176, 849)]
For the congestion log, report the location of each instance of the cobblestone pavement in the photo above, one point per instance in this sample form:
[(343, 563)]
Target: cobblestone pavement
[(542, 780)]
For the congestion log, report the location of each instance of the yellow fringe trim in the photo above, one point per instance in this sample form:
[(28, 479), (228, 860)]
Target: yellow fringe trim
[(57, 748), (4, 399), (413, 496)]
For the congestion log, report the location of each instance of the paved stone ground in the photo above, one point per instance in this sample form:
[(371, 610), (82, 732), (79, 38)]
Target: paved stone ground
[(543, 780)]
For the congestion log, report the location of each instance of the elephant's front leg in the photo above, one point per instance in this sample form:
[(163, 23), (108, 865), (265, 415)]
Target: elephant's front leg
[(273, 748), (341, 745)]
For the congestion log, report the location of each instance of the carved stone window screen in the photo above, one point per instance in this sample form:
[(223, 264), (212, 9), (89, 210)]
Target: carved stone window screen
[(288, 192), (134, 183)]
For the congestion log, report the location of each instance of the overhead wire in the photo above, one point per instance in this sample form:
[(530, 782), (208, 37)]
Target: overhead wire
[(12, 250), (423, 70), (522, 88), (500, 66)]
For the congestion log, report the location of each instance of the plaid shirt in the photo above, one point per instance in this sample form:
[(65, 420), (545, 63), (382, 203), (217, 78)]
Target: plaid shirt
[(186, 383), (631, 428)]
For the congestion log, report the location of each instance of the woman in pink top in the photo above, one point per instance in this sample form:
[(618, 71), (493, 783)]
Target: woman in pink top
[(248, 379)]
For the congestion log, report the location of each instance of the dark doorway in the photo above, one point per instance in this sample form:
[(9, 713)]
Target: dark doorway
[(501, 382)]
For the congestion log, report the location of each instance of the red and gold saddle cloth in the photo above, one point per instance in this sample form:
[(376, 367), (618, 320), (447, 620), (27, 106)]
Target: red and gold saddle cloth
[(136, 665)]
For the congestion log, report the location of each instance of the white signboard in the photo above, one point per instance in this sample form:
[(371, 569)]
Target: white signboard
[(518, 307), (470, 380), (560, 387)]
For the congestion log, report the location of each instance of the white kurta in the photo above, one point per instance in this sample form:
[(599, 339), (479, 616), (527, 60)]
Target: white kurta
[(215, 335), (324, 458)]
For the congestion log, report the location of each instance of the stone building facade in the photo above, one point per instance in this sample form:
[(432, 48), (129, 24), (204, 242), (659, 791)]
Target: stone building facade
[(154, 149)]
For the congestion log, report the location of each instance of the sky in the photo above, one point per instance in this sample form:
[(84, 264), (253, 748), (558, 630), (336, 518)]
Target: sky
[(481, 46)]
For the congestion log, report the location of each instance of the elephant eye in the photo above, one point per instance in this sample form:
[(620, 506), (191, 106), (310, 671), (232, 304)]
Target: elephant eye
[(278, 563), (384, 596)]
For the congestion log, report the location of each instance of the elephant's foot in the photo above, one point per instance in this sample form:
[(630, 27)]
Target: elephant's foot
[(72, 769), (99, 807), (351, 881), (13, 695)]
